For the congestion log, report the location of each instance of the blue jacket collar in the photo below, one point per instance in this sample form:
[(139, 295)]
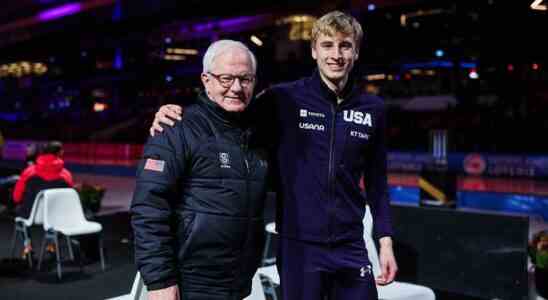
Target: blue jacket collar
[(319, 86)]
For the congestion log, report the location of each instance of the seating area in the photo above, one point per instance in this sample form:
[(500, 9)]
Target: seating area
[(60, 213)]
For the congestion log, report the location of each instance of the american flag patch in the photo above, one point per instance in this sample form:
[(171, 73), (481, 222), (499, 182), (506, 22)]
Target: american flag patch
[(154, 165)]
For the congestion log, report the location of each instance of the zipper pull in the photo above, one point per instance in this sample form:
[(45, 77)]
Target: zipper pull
[(246, 164)]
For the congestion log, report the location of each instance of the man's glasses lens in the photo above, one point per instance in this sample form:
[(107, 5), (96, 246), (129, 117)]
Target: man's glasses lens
[(227, 80)]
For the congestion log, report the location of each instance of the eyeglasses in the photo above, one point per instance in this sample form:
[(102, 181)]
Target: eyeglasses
[(227, 80)]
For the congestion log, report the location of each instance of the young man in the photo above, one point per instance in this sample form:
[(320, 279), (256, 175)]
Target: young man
[(197, 209), (326, 135)]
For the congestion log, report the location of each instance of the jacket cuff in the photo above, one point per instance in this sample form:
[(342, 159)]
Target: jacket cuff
[(161, 284), (382, 232)]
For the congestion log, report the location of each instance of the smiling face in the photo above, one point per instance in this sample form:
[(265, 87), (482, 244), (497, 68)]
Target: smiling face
[(335, 56), (236, 96)]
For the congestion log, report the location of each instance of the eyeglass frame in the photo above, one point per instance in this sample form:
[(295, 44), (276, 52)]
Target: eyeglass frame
[(252, 78)]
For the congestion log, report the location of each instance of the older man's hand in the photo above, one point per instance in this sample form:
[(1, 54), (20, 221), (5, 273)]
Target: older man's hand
[(165, 115), (169, 293)]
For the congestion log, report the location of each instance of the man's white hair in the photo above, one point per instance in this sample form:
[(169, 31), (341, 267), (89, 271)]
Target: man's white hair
[(221, 46)]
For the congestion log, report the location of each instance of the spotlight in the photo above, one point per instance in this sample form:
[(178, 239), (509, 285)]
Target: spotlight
[(439, 53), (473, 74), (257, 41)]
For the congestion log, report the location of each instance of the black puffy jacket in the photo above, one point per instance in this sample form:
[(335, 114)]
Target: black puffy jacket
[(197, 210)]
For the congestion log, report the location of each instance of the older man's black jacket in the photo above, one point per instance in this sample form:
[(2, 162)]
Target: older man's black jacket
[(197, 210)]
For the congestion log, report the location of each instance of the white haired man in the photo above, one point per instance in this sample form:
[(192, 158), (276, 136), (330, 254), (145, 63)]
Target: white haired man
[(197, 209)]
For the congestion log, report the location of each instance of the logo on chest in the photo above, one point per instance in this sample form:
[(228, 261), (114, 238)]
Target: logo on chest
[(357, 117), (304, 113), (224, 159), (311, 126)]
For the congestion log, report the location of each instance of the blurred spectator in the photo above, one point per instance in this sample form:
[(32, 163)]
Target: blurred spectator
[(48, 172)]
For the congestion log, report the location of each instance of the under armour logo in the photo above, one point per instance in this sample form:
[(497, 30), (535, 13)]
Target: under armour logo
[(364, 270)]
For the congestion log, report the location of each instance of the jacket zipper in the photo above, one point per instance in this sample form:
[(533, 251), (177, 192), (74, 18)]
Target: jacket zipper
[(244, 147), (330, 175)]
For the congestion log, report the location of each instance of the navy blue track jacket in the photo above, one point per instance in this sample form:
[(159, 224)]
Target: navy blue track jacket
[(197, 209), (321, 150)]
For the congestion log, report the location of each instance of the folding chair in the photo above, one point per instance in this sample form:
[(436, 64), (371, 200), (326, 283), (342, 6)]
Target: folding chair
[(257, 290), (138, 290), (396, 290), (22, 226), (63, 215), (268, 272), (270, 229)]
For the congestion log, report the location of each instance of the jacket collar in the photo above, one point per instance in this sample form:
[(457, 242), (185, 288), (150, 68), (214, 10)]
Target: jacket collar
[(231, 119), (350, 90)]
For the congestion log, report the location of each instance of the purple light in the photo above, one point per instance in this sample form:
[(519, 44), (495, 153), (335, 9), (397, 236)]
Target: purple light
[(60, 11), (235, 22), (203, 27), (118, 59), (224, 24)]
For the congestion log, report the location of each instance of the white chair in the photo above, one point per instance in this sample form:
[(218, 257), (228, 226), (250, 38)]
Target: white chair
[(138, 290), (270, 229), (22, 226), (63, 214), (395, 290), (268, 272), (257, 290)]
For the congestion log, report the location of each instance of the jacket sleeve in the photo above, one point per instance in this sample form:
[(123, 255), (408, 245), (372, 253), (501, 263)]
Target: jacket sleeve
[(21, 184), (67, 177), (155, 195), (376, 183)]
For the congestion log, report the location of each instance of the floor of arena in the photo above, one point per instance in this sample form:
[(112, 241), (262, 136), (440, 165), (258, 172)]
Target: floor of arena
[(92, 283)]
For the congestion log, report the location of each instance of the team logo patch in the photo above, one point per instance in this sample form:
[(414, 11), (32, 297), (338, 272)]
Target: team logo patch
[(358, 117), (154, 165), (224, 159)]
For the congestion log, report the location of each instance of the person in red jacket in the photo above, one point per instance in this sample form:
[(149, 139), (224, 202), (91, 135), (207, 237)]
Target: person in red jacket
[(47, 173)]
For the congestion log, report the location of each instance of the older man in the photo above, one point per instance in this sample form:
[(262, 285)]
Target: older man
[(326, 135), (197, 210)]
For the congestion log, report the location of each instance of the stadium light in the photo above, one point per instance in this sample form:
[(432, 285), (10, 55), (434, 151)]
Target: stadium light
[(536, 5)]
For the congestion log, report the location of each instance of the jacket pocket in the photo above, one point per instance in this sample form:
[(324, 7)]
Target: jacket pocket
[(212, 252)]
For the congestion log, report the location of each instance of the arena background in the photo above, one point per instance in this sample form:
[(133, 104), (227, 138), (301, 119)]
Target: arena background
[(465, 82)]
